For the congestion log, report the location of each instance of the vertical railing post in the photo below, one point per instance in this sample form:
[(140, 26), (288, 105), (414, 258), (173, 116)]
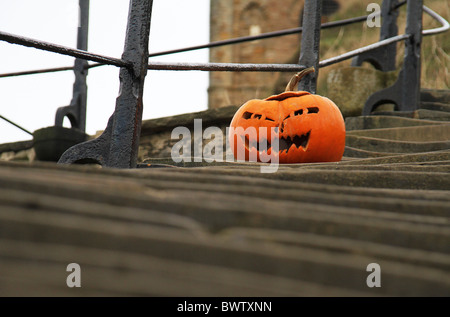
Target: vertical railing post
[(76, 111), (310, 44), (119, 144), (405, 92), (389, 29), (412, 59), (384, 57)]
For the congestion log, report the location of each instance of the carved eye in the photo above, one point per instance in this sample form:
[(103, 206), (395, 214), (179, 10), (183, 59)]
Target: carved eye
[(257, 116), (313, 110), (298, 112), (268, 119), (247, 115)]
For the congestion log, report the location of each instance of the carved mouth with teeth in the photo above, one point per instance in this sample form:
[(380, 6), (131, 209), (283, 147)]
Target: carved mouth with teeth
[(285, 144)]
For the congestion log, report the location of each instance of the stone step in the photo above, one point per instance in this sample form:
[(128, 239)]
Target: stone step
[(424, 232), (437, 260), (424, 114), (154, 182), (426, 133), (34, 269), (393, 146), (212, 230), (313, 265), (435, 106), (359, 153), (381, 122), (430, 158), (435, 95), (438, 167)]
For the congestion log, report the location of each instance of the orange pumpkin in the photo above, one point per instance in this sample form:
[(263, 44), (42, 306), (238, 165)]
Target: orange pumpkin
[(309, 128)]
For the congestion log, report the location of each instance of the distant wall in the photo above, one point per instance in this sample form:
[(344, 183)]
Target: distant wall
[(237, 18), (156, 140)]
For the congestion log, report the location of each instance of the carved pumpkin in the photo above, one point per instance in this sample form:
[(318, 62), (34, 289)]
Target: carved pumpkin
[(309, 128)]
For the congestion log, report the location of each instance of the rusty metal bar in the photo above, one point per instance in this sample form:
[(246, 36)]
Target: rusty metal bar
[(223, 67), (47, 70), (118, 145), (37, 71), (76, 111), (64, 50), (310, 44), (228, 67), (262, 36), (348, 55), (16, 125), (412, 59), (405, 92), (445, 25)]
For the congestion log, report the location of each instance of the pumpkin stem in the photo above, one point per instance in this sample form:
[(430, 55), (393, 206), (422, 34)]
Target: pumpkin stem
[(292, 85)]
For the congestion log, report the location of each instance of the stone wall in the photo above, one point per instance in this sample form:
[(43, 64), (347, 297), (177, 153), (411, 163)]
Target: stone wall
[(156, 136), (238, 18), (17, 151)]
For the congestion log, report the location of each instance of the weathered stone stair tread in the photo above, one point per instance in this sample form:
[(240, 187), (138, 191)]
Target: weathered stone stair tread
[(221, 229), (294, 263), (146, 275), (436, 106), (423, 114), (361, 178), (415, 158), (31, 179), (184, 217), (435, 95), (381, 122), (394, 146), (435, 157), (360, 153), (277, 237), (234, 210), (16, 146), (153, 199), (96, 209), (426, 133)]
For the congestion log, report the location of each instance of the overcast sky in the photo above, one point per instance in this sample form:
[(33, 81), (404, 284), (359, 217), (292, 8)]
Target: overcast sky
[(32, 100)]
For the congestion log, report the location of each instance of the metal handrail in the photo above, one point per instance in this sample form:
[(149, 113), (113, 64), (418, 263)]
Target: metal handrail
[(63, 50), (57, 49), (15, 124), (263, 36), (47, 70), (348, 55), (445, 25), (105, 60), (226, 67)]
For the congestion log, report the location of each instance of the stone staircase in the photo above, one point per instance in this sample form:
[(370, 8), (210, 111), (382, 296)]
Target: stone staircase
[(230, 230), (391, 133)]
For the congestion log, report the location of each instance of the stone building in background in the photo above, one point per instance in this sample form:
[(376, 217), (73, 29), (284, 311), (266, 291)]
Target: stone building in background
[(237, 18)]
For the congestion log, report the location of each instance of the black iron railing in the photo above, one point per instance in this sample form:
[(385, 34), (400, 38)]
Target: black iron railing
[(118, 145)]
